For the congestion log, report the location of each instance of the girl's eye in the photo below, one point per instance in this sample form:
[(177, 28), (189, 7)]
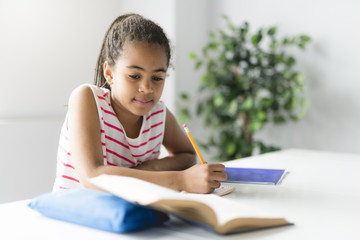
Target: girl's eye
[(157, 78), (134, 76)]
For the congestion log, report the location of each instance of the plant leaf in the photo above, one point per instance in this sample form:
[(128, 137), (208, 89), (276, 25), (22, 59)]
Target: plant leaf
[(272, 31), (192, 56)]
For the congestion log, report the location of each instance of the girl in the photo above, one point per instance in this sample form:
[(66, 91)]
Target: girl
[(118, 126)]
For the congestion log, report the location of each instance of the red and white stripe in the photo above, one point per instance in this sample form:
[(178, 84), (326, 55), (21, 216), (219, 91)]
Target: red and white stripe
[(118, 149)]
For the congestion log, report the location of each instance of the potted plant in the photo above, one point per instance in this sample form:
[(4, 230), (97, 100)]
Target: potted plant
[(250, 80)]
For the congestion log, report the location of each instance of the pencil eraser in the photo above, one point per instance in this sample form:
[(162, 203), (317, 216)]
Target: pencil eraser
[(184, 125)]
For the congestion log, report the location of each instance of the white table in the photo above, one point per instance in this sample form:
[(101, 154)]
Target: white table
[(321, 195)]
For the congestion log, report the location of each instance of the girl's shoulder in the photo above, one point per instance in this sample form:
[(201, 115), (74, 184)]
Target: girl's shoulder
[(95, 89), (87, 90)]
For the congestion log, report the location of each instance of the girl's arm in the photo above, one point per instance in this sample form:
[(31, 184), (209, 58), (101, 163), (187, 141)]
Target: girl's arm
[(181, 153), (85, 145)]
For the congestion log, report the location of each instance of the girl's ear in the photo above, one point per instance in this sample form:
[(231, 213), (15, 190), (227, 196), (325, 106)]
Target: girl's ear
[(108, 73)]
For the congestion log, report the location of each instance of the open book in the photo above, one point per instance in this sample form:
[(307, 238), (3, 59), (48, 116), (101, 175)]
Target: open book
[(221, 214)]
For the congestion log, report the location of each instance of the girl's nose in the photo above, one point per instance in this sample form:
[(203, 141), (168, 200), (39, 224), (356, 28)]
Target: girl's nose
[(145, 86)]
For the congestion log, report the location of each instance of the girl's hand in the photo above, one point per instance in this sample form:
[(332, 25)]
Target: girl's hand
[(203, 178)]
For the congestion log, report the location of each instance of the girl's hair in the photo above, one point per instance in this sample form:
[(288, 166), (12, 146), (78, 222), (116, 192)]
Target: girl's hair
[(128, 27)]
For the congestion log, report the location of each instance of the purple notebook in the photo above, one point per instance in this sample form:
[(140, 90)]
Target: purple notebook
[(254, 175)]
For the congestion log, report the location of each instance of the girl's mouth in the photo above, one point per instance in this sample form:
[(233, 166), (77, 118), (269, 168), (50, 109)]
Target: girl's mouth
[(144, 101)]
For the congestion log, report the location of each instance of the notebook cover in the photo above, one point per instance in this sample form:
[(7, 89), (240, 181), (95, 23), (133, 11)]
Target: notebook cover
[(254, 175)]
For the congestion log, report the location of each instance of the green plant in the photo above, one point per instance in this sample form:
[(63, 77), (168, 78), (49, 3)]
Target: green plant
[(249, 80)]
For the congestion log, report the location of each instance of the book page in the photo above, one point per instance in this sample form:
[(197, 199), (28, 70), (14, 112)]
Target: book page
[(226, 209), (223, 190), (145, 193), (133, 189)]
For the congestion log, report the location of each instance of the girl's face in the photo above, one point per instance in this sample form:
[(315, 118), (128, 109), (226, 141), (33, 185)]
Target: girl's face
[(137, 78)]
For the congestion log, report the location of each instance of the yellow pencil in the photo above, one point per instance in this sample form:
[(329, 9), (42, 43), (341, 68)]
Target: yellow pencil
[(193, 143)]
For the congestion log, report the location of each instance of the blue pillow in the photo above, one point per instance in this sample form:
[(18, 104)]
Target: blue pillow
[(96, 209)]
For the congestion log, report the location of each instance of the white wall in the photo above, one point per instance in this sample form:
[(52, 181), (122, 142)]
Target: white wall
[(50, 47), (330, 64), (191, 33), (47, 48), (28, 150)]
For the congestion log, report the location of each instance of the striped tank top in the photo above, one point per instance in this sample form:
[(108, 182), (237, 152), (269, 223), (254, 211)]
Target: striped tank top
[(118, 149)]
